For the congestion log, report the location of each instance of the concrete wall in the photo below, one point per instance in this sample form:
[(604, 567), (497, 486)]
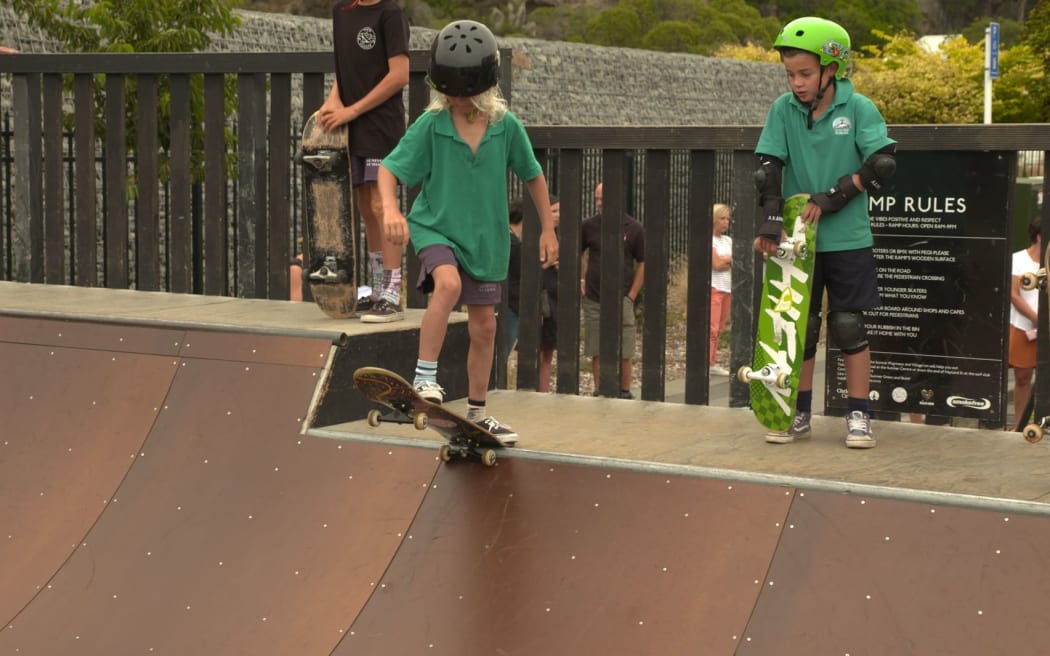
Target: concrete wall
[(555, 83)]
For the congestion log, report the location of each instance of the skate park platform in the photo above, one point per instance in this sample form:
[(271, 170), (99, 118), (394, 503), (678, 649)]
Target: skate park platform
[(164, 492)]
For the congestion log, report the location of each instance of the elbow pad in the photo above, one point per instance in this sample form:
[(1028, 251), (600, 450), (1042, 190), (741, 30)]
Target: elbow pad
[(877, 169)]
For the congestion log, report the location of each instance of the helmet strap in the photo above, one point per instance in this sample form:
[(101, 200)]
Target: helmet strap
[(821, 90)]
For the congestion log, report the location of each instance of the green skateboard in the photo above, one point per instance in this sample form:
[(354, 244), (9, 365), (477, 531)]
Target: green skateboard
[(781, 336)]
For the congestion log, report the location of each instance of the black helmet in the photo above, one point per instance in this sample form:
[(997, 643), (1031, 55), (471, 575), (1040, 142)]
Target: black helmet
[(464, 59)]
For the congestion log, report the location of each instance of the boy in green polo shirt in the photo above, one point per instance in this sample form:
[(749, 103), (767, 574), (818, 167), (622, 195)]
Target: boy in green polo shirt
[(826, 140), (460, 150)]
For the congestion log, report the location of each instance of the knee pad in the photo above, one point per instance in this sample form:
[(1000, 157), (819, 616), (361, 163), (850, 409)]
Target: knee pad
[(812, 337), (847, 332)]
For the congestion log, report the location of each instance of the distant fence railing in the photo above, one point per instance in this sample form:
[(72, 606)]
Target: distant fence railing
[(97, 213)]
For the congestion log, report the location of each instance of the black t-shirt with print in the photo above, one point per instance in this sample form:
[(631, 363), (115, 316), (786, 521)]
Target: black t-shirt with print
[(591, 242), (365, 37)]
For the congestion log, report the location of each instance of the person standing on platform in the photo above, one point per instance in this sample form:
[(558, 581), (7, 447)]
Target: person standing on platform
[(371, 69), (460, 150), (825, 139)]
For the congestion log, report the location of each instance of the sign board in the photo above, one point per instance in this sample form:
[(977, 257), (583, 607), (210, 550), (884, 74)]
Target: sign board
[(942, 247), (993, 47)]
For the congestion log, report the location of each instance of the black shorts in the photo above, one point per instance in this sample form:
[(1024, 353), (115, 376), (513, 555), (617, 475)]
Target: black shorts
[(850, 278)]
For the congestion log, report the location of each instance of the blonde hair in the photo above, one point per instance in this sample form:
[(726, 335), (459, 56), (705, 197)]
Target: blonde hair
[(491, 103), (718, 210)]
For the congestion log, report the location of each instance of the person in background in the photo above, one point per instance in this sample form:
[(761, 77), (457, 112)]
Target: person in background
[(1024, 318), (721, 280), (590, 287)]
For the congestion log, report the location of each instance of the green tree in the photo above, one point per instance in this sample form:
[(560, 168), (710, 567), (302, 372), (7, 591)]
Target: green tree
[(125, 26), (1036, 36), (562, 23), (674, 36), (617, 26), (1009, 30)]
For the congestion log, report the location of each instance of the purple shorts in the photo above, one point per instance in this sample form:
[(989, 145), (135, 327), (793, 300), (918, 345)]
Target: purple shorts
[(364, 169), (473, 292)]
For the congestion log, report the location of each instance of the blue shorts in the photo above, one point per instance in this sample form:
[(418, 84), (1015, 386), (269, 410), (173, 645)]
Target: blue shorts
[(364, 170), (472, 292), (850, 278)]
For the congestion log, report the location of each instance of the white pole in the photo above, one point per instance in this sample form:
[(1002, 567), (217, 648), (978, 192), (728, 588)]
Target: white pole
[(987, 76)]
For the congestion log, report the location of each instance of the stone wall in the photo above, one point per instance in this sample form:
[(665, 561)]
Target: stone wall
[(554, 83)]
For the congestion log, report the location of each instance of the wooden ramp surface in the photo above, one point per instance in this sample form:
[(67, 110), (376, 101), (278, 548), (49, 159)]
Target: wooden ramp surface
[(158, 496)]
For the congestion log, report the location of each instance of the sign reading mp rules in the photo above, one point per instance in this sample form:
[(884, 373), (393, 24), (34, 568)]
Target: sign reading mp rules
[(939, 341)]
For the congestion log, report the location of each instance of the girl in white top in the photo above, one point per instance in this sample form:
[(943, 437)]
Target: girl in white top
[(1024, 315), (721, 279)]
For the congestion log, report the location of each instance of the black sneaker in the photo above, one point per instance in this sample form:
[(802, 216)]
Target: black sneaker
[(504, 432), (626, 394), (383, 312), (365, 305)]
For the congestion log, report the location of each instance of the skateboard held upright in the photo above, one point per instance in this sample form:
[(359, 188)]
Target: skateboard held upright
[(1033, 432), (331, 246), (781, 336), (405, 406)]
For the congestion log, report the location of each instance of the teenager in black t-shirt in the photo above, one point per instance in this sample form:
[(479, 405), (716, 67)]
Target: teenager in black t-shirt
[(371, 69)]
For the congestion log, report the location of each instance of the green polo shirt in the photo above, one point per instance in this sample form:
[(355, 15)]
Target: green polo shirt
[(845, 135), (463, 199)]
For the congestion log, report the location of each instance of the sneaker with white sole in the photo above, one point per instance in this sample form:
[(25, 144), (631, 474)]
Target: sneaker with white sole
[(429, 390), (504, 432), (858, 430), (719, 371), (800, 430), (383, 311)]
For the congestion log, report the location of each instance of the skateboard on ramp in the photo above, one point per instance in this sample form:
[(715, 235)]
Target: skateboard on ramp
[(403, 405), (1034, 431), (781, 336), (331, 265)]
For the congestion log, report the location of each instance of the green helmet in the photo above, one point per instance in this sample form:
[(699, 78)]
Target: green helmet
[(826, 39)]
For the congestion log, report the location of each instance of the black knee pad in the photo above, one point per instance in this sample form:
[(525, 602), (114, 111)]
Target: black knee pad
[(847, 332), (812, 337)]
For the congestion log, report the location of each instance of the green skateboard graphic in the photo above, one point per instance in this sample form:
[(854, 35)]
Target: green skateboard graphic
[(781, 335)]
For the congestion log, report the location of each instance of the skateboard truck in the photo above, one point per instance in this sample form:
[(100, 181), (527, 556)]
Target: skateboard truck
[(329, 272), (790, 249), (324, 161), (768, 374)]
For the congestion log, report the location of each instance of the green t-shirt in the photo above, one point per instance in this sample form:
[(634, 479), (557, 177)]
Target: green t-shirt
[(845, 135), (463, 199)]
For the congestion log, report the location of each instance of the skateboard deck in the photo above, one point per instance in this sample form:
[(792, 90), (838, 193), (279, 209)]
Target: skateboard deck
[(781, 335), (405, 406), (331, 243), (1039, 426)]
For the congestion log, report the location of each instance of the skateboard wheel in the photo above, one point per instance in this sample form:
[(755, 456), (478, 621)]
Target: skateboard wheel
[(488, 457), (801, 249), (420, 421), (444, 453), (1033, 433), (373, 418), (1029, 281), (783, 381), (743, 373)]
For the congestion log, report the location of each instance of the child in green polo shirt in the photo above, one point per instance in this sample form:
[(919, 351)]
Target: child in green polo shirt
[(826, 140), (460, 150)]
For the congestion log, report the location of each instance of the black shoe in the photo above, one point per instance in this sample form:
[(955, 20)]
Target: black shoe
[(626, 394), (383, 312)]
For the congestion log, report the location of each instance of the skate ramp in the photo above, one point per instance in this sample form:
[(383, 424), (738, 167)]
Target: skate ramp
[(159, 497)]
